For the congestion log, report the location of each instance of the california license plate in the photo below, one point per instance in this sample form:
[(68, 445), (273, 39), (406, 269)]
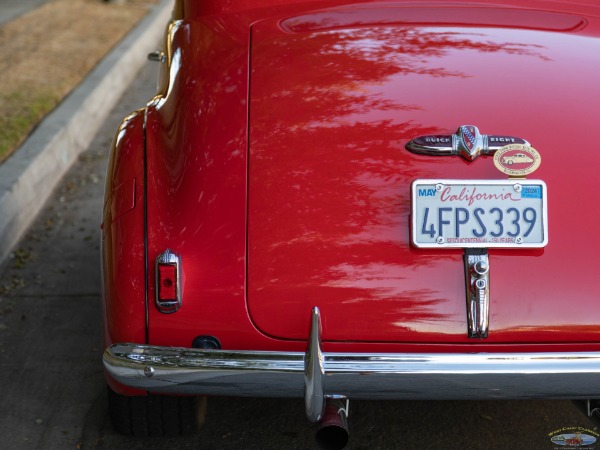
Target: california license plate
[(479, 213)]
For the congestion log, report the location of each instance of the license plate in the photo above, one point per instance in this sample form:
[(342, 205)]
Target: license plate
[(479, 213)]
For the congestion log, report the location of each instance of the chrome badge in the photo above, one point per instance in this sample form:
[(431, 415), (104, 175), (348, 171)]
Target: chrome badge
[(467, 142)]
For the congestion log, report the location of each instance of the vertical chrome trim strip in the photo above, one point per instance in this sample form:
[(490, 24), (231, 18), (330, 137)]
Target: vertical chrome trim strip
[(477, 280)]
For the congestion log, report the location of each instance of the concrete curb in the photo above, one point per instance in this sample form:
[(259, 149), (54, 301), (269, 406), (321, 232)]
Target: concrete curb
[(29, 176)]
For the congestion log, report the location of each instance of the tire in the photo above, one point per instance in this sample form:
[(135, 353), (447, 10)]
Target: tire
[(155, 415)]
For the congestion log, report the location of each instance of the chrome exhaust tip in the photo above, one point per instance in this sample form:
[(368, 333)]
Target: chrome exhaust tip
[(332, 433)]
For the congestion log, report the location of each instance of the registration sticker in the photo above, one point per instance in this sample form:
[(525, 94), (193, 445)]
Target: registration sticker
[(479, 213)]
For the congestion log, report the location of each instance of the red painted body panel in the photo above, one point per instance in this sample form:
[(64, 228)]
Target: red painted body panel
[(276, 169), (196, 138), (333, 102), (123, 295)]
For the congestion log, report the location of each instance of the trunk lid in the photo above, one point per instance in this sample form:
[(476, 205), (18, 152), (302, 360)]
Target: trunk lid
[(333, 102)]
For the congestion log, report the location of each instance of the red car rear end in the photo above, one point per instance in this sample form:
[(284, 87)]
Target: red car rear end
[(265, 227)]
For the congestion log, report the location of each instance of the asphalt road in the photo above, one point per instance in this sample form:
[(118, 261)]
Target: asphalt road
[(52, 392)]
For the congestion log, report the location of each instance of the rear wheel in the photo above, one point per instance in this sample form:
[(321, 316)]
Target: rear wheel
[(155, 415)]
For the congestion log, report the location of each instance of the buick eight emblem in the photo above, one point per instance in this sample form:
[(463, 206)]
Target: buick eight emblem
[(467, 142)]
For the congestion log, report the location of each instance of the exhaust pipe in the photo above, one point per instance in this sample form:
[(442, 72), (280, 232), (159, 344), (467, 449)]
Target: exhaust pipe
[(333, 427)]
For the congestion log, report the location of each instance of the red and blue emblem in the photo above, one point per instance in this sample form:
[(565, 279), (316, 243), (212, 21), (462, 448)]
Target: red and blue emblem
[(468, 136)]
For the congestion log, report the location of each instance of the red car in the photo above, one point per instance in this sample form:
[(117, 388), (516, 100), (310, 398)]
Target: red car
[(314, 205)]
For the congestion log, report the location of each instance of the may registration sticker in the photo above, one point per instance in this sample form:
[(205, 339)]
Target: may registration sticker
[(479, 213)]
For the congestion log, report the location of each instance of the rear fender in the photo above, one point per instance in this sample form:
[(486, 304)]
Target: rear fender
[(123, 243)]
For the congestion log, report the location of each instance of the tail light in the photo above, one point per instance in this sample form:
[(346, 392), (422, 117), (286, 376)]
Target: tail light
[(168, 282)]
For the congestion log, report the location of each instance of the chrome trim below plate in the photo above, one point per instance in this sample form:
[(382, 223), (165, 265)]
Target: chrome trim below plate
[(477, 280)]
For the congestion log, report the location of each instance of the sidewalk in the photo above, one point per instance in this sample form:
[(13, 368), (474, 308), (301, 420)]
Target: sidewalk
[(29, 176), (53, 387), (12, 9)]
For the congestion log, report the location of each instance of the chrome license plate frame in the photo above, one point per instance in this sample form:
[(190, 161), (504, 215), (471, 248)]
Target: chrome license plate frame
[(511, 214)]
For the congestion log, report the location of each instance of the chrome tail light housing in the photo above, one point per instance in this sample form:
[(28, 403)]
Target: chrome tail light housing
[(168, 282)]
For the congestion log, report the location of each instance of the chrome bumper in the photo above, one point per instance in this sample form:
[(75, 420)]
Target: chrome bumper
[(315, 375)]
